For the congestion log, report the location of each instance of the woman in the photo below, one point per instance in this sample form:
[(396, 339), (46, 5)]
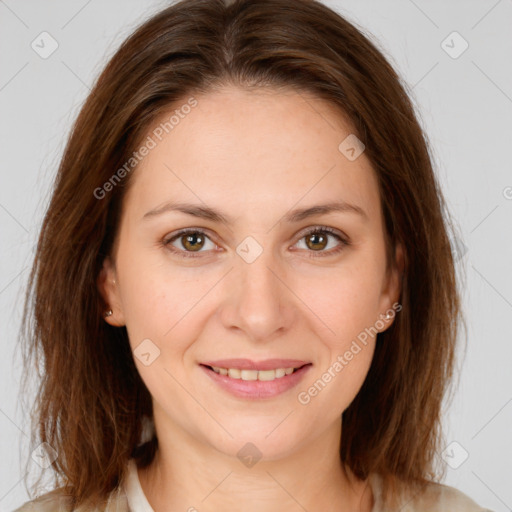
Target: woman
[(244, 293)]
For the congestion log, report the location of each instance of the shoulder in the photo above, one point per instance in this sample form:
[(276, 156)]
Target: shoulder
[(58, 501), (53, 501), (435, 497), (441, 498)]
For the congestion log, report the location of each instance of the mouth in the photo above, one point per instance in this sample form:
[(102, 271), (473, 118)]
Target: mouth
[(250, 383), (252, 375)]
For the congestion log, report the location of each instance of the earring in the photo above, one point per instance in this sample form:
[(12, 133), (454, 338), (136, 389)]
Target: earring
[(388, 316), (108, 313)]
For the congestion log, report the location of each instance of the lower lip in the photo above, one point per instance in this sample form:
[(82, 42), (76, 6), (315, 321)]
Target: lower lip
[(254, 389)]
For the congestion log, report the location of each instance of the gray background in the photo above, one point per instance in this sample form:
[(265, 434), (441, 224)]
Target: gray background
[(465, 105)]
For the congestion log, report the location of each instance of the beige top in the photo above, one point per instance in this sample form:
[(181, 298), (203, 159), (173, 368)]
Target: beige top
[(129, 497)]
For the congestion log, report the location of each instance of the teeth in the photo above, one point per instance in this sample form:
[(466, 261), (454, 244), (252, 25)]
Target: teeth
[(235, 373)]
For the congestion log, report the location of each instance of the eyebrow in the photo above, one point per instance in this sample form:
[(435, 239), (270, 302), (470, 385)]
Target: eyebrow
[(297, 215)]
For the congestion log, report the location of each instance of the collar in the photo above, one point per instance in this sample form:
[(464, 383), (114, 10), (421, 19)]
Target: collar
[(138, 502)]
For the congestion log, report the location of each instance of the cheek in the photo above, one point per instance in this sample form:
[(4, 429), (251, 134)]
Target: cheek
[(344, 300), (334, 386), (163, 304)]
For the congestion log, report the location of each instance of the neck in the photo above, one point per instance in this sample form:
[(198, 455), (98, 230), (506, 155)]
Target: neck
[(189, 475)]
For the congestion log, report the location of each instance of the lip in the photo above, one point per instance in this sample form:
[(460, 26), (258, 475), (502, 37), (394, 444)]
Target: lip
[(248, 364), (256, 389)]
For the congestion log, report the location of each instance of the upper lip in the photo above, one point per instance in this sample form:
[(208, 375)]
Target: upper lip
[(248, 364)]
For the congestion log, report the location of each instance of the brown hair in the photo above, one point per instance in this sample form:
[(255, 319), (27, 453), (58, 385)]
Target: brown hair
[(91, 399)]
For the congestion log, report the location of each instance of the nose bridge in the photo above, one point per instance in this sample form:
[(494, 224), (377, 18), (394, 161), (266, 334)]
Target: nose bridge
[(260, 305), (258, 276)]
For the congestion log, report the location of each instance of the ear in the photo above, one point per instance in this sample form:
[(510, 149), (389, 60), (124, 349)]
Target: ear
[(108, 287), (392, 288)]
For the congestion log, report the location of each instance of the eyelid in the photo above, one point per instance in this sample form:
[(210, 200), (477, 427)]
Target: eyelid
[(343, 239), (320, 227), (167, 240)]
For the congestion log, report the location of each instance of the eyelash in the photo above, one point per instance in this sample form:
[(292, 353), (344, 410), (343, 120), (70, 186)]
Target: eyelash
[(313, 231)]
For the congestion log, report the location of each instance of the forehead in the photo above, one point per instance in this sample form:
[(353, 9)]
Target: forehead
[(259, 147)]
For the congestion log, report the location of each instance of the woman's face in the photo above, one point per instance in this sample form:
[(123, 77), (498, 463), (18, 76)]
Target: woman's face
[(249, 282)]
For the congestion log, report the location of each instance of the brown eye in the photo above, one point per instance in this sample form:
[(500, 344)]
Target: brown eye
[(192, 241), (316, 241), (189, 241)]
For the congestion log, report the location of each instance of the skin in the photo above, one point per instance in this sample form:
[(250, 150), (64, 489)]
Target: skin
[(253, 155)]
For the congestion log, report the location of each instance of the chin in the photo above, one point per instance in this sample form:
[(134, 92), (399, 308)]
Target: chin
[(255, 443)]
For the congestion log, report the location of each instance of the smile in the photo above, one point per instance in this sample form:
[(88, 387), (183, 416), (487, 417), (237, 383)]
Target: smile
[(236, 373), (256, 384)]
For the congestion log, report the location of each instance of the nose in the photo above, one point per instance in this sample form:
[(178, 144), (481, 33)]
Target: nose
[(258, 301)]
